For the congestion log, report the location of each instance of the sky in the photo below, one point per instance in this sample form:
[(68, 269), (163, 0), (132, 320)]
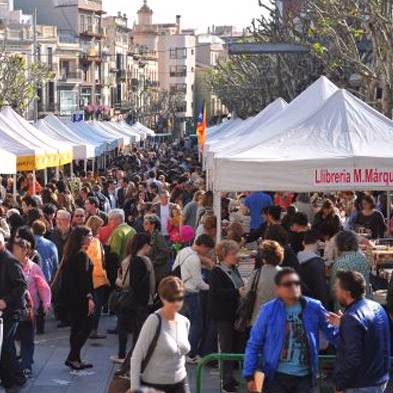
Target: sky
[(197, 14)]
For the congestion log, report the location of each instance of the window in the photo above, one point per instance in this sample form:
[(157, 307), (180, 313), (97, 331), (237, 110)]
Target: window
[(179, 87), (82, 23), (51, 93), (178, 53), (178, 71), (50, 58), (90, 24)]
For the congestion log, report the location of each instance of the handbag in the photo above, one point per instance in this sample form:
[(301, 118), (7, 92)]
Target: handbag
[(246, 306), (122, 300)]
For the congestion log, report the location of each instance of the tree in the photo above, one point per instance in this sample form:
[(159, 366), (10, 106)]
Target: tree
[(355, 37), (19, 82), (246, 84), (348, 40)]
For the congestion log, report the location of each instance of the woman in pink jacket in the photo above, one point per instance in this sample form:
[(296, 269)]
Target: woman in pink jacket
[(39, 293)]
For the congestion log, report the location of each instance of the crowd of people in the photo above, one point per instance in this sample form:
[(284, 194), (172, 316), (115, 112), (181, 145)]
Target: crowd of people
[(139, 241)]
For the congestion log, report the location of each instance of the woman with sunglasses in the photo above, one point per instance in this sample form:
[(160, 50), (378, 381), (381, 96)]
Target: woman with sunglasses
[(166, 369), (77, 292)]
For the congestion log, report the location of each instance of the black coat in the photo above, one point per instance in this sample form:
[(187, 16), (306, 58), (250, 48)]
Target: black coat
[(223, 300), (77, 282), (312, 274), (13, 285)]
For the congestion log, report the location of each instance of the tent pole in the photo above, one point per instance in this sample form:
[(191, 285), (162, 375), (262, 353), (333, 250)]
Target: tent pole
[(389, 209), (71, 168), (93, 164), (217, 212), (46, 176), (14, 185), (57, 173), (85, 166), (34, 181)]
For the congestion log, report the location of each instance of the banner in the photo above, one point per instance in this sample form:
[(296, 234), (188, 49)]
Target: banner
[(353, 177)]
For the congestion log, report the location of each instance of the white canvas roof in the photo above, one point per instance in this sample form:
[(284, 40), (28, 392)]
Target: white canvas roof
[(116, 140), (297, 111), (80, 150), (141, 127), (131, 129), (29, 155), (63, 129), (132, 137), (88, 133), (7, 163), (345, 145), (23, 128), (121, 137), (246, 130), (222, 130)]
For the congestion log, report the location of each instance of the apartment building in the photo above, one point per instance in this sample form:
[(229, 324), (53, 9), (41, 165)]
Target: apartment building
[(78, 22), (210, 49), (176, 58)]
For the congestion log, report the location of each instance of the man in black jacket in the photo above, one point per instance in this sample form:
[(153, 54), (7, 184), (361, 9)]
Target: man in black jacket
[(363, 351), (312, 269), (13, 289)]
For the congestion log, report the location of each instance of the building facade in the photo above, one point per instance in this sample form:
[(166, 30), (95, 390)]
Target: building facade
[(79, 22), (210, 50), (176, 48)]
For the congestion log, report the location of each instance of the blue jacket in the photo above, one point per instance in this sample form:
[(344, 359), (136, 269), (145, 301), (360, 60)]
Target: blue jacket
[(266, 342), (363, 352), (49, 256)]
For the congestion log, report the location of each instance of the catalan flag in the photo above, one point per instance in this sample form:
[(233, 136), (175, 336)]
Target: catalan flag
[(202, 125)]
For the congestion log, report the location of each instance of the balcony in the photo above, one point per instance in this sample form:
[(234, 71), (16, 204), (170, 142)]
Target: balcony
[(122, 75), (70, 76), (97, 33), (90, 55)]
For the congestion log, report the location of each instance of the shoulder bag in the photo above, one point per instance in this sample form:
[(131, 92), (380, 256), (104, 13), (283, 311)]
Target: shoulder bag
[(247, 304)]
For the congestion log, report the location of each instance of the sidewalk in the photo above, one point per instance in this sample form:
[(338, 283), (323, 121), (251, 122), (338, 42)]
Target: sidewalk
[(51, 376)]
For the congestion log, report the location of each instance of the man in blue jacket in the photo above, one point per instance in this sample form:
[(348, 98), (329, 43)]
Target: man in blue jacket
[(284, 341), (363, 351)]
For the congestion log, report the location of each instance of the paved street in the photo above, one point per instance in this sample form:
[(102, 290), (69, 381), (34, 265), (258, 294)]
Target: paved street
[(51, 376)]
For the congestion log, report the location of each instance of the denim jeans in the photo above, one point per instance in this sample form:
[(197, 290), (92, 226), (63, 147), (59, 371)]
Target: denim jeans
[(193, 311), (99, 300), (371, 389), (26, 336), (10, 369), (284, 383)]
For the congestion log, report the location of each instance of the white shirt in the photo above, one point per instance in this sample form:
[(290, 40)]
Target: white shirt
[(164, 217), (191, 270)]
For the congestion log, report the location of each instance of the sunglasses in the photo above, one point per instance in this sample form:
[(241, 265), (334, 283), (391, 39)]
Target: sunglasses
[(290, 284), (175, 299)]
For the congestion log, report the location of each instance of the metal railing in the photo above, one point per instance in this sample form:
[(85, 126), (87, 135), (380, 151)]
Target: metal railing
[(325, 364)]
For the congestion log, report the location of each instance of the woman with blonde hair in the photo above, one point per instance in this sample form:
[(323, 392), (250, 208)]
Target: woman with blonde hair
[(226, 286), (101, 284)]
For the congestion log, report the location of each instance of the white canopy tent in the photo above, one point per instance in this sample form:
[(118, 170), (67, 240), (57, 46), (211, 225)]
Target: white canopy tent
[(141, 127), (116, 140), (81, 150), (345, 145), (131, 129), (7, 162), (88, 133), (246, 131), (298, 110), (132, 137), (94, 148), (62, 153)]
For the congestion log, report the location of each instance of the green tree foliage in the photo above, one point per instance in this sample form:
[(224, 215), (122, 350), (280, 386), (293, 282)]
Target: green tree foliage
[(19, 82)]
